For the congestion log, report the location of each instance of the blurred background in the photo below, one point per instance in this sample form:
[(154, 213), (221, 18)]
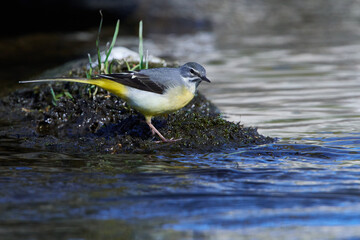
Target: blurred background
[(40, 34)]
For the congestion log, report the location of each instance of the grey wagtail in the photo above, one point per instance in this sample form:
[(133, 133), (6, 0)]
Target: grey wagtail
[(150, 91)]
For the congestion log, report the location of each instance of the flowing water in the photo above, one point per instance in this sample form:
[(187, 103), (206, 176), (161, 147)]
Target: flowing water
[(304, 186)]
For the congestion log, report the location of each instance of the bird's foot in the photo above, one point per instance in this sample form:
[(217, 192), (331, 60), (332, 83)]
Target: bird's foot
[(154, 130), (168, 140), (116, 149)]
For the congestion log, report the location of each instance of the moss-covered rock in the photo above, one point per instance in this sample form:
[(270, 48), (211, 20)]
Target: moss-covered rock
[(86, 122)]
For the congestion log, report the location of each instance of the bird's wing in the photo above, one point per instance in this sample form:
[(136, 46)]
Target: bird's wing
[(136, 80)]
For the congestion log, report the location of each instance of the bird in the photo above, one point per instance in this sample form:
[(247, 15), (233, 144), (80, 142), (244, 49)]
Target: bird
[(151, 92)]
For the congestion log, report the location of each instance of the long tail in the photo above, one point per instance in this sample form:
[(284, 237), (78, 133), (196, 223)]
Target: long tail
[(112, 86), (80, 80)]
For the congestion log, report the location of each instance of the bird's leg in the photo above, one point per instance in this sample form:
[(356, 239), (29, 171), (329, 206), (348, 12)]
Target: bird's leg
[(154, 130)]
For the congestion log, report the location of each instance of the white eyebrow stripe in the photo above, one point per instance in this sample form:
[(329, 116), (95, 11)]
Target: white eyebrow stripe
[(192, 79)]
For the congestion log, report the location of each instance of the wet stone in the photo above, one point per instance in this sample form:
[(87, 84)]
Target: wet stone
[(84, 122)]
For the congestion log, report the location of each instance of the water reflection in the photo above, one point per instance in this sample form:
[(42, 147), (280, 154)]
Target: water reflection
[(260, 187)]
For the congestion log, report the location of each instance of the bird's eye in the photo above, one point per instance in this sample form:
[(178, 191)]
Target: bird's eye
[(192, 71)]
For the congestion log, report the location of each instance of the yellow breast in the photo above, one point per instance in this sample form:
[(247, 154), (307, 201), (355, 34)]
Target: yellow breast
[(152, 104), (179, 97)]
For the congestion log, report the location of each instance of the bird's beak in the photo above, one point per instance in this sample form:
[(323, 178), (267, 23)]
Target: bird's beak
[(204, 78)]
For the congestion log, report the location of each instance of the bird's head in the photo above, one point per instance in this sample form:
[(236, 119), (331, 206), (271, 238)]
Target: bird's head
[(193, 73)]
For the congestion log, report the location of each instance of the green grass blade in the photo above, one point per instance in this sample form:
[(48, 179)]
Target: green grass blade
[(147, 60), (89, 73), (54, 98), (111, 65), (68, 95), (113, 40), (141, 48), (135, 67), (98, 40), (127, 65)]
